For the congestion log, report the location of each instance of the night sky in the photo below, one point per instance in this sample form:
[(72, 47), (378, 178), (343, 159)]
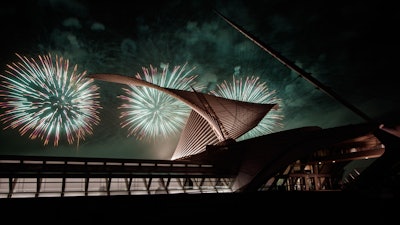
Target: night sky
[(351, 47)]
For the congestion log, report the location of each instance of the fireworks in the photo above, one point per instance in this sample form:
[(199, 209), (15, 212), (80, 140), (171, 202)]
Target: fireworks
[(45, 99), (149, 113), (251, 89)]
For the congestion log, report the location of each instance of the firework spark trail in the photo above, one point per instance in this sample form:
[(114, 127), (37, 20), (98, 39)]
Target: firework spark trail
[(148, 113), (45, 98), (251, 89)]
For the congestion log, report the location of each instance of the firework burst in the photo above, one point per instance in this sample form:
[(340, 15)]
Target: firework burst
[(148, 113), (251, 89), (46, 99)]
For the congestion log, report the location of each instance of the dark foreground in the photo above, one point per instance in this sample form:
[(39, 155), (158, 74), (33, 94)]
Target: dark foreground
[(247, 208)]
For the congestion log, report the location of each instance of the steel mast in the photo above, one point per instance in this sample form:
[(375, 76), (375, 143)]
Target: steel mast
[(297, 69)]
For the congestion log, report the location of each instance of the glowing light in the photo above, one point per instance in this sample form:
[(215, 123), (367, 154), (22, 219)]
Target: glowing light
[(47, 100), (251, 89), (149, 113)]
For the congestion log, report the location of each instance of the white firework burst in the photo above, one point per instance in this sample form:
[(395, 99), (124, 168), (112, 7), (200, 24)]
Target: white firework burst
[(149, 114), (47, 99)]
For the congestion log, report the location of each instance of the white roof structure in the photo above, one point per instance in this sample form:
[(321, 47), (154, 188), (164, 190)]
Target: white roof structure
[(212, 120)]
